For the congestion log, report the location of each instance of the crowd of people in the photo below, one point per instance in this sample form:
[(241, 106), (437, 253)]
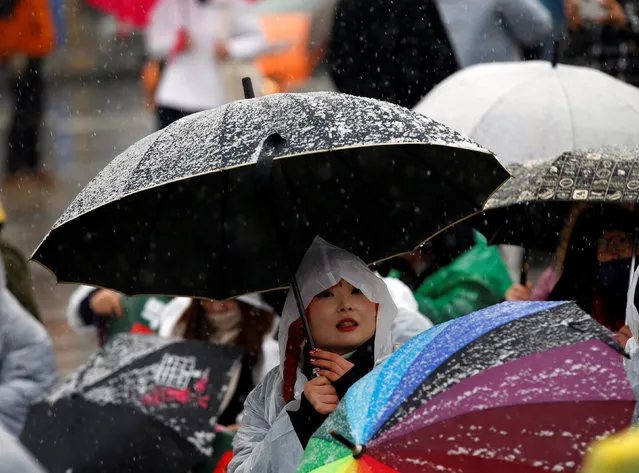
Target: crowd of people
[(285, 391)]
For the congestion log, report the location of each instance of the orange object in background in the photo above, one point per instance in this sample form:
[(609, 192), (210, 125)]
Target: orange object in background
[(294, 63), (28, 30), (149, 80)]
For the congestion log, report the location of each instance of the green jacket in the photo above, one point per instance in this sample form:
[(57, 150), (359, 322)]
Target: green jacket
[(141, 315), (476, 279)]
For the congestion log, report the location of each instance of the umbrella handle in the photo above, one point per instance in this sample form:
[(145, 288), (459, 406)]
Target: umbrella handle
[(358, 450), (247, 85), (523, 277)]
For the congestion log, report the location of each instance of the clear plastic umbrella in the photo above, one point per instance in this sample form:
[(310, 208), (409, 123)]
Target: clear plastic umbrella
[(532, 110)]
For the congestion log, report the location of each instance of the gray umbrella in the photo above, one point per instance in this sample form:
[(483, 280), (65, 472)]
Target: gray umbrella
[(533, 206), (226, 202)]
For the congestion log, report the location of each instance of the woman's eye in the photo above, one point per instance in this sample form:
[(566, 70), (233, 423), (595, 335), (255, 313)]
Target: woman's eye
[(356, 291), (325, 294)]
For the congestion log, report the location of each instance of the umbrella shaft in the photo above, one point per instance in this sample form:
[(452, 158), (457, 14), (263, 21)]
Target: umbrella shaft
[(523, 278), (302, 312)]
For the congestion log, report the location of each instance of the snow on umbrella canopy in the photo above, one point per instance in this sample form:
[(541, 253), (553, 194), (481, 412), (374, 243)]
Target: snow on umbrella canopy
[(181, 211), (533, 206), (521, 386), (141, 403)]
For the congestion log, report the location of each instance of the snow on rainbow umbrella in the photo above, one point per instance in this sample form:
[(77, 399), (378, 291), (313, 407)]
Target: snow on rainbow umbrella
[(521, 386)]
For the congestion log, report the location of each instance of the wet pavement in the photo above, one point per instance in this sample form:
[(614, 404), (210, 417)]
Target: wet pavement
[(86, 125)]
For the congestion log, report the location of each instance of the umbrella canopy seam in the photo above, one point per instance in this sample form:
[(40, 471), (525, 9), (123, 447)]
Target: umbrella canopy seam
[(562, 87), (501, 98)]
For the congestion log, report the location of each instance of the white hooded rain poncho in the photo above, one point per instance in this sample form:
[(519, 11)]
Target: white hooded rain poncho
[(267, 442), (632, 347)]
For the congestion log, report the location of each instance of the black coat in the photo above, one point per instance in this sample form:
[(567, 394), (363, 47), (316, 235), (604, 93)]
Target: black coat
[(395, 51)]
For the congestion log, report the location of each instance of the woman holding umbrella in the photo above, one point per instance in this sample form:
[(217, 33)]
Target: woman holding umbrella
[(350, 314), (191, 35)]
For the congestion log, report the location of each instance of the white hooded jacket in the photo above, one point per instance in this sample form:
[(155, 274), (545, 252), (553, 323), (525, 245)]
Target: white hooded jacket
[(267, 442), (194, 80)]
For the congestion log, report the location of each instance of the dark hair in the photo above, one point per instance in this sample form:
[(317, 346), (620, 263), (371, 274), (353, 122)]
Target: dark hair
[(255, 324), (294, 352), (579, 277)]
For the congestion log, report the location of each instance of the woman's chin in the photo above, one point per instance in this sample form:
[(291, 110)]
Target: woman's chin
[(346, 345)]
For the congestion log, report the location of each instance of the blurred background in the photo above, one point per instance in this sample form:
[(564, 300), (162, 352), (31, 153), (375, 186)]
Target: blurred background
[(97, 91)]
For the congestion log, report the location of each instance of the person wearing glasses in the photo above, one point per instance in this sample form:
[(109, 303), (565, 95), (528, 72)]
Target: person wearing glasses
[(593, 267)]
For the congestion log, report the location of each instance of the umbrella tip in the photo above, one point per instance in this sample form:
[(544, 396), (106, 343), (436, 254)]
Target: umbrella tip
[(247, 85), (358, 450), (555, 53)]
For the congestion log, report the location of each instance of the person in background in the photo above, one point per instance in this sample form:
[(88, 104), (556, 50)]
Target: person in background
[(454, 274), (629, 342), (194, 37), (546, 49), (246, 321), (596, 267), (28, 36), (18, 275), (606, 38), (494, 30), (109, 313), (540, 291), (409, 321), (27, 362)]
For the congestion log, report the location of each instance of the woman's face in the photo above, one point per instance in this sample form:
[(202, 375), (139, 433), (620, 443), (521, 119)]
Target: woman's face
[(219, 307), (614, 245), (342, 318)]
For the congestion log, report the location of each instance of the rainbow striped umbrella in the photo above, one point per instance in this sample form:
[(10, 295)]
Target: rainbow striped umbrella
[(521, 386)]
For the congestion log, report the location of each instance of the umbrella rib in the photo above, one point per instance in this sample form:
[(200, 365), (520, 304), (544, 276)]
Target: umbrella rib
[(489, 410), (341, 160), (142, 158), (293, 191), (499, 100), (225, 189), (146, 242), (224, 198), (380, 202), (156, 214), (572, 117), (388, 212)]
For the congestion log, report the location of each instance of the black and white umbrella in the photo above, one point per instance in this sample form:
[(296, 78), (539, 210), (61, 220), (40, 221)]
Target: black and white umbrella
[(142, 403), (533, 207)]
